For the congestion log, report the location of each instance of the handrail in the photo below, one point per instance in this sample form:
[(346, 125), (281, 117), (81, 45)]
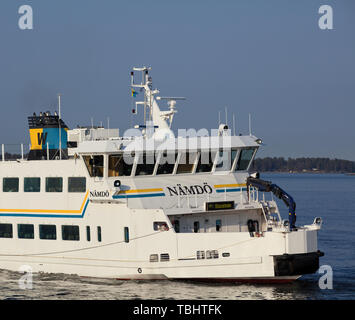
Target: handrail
[(14, 152)]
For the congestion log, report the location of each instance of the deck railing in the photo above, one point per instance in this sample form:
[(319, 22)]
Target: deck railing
[(14, 152)]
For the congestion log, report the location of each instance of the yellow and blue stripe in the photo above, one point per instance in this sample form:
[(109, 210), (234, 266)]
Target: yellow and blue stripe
[(47, 213), (139, 193)]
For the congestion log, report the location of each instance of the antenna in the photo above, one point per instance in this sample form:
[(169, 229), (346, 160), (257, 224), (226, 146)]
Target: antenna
[(219, 118), (146, 82), (108, 127), (226, 115), (60, 130), (151, 110), (233, 124), (249, 124), (169, 115)]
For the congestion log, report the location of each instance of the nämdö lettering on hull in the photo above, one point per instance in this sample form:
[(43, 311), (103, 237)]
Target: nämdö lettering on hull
[(180, 190)]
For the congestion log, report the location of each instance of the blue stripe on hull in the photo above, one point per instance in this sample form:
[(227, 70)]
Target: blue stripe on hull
[(139, 196), (230, 190)]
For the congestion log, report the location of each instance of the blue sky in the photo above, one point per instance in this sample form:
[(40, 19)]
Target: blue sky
[(267, 58)]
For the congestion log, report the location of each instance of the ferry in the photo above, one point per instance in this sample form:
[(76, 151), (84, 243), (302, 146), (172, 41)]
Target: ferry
[(148, 204)]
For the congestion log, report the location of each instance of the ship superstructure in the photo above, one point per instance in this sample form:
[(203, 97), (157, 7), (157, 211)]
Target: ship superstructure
[(150, 205)]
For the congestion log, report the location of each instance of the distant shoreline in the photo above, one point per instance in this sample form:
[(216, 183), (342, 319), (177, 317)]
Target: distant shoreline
[(309, 172), (304, 165)]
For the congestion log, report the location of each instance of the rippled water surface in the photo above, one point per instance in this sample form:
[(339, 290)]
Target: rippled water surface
[(330, 196)]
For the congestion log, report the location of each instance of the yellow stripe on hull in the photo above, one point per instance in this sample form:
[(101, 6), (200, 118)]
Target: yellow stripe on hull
[(140, 191)]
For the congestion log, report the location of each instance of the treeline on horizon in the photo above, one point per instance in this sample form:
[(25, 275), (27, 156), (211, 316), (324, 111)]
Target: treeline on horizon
[(303, 165)]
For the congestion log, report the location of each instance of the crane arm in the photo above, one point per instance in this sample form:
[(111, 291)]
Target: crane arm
[(268, 186)]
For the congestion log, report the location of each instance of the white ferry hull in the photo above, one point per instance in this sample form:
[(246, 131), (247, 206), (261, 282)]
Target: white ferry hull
[(250, 259)]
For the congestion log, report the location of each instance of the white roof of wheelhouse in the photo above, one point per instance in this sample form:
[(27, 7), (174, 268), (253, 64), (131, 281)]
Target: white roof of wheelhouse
[(139, 144)]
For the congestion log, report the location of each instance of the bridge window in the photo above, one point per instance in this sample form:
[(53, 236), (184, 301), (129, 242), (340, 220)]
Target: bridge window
[(120, 165), (166, 163), (10, 185), (6, 230), (54, 184), (70, 233), (225, 160), (76, 184), (95, 165), (244, 159), (25, 231), (146, 164), (32, 184), (47, 232), (205, 162), (186, 162)]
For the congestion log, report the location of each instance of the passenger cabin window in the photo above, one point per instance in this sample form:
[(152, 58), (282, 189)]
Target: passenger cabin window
[(120, 165), (205, 161), (95, 165), (47, 232), (166, 163), (146, 164), (70, 233), (76, 184), (99, 239), (186, 162), (25, 231), (126, 234), (244, 159), (54, 184), (32, 185), (10, 184), (88, 236), (6, 230), (225, 160), (196, 226), (160, 226)]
